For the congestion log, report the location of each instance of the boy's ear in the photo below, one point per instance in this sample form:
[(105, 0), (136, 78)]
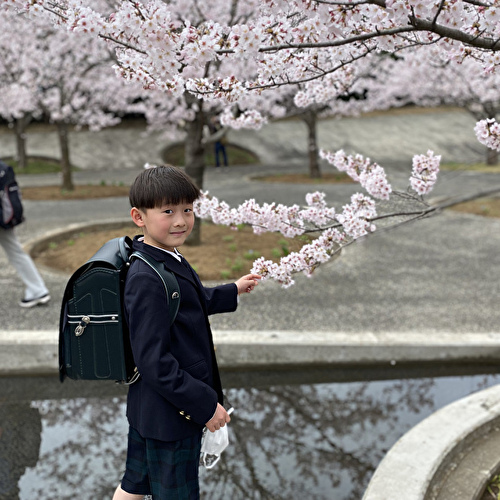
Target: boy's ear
[(136, 215)]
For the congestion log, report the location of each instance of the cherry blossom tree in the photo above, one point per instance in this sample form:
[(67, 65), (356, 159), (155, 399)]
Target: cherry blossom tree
[(183, 115), (290, 41), (315, 43), (421, 77), (17, 85), (66, 77), (76, 87), (294, 102)]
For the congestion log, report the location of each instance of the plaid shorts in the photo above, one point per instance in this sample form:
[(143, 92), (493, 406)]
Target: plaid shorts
[(165, 470)]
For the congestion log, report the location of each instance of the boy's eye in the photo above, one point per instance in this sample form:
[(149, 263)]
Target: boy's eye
[(188, 210), (168, 211)]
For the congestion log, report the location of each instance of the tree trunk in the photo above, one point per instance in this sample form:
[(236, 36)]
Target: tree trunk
[(194, 152), (491, 157), (310, 118), (20, 128), (67, 180)]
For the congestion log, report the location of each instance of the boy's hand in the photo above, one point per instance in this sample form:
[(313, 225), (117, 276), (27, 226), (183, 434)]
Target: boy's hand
[(247, 283), (220, 419)]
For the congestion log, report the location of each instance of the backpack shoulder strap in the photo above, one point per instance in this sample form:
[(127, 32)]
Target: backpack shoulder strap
[(169, 282)]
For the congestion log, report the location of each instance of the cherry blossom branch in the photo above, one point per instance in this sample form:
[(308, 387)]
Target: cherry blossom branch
[(122, 44), (206, 88), (488, 133), (331, 242), (477, 41), (354, 221), (332, 43), (431, 210)]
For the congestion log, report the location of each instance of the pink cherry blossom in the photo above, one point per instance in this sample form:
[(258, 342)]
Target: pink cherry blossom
[(488, 133), (370, 175), (424, 172)]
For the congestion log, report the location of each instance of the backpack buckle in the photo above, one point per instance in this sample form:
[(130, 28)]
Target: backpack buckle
[(81, 327)]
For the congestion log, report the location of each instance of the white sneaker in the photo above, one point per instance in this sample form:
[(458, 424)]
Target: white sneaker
[(35, 302)]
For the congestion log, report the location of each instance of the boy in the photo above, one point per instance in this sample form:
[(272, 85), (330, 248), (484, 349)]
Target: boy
[(179, 391)]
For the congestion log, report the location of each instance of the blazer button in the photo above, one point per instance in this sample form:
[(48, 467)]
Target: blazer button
[(182, 412), (188, 417)]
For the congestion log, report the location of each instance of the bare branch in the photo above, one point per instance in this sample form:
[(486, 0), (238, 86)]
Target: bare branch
[(123, 44)]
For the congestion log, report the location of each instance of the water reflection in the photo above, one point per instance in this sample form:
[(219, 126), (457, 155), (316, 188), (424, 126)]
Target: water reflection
[(20, 431), (82, 449), (319, 441)]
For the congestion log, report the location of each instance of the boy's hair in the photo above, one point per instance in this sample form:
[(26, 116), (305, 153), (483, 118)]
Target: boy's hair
[(165, 185)]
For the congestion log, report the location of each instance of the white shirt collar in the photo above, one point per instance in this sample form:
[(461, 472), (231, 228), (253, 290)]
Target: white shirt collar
[(175, 253)]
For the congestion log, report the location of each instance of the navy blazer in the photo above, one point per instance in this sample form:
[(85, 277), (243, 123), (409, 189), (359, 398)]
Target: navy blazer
[(179, 387)]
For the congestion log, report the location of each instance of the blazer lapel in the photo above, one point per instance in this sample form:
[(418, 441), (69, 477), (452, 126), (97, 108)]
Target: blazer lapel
[(172, 264), (169, 261)]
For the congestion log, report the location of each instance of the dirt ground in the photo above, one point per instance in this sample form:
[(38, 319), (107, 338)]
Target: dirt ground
[(79, 193), (225, 254)]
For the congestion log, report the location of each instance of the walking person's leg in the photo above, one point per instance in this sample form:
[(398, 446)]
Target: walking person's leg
[(36, 292), (224, 155), (217, 147)]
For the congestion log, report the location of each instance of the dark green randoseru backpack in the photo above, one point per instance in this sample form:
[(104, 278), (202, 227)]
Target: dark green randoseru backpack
[(94, 340)]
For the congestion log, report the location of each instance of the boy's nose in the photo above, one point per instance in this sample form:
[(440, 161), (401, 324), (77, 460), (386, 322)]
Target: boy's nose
[(179, 221)]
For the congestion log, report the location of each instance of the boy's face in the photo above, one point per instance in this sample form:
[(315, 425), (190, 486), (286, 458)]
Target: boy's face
[(167, 226)]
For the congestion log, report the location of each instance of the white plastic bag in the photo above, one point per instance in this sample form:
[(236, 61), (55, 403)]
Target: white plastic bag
[(212, 445)]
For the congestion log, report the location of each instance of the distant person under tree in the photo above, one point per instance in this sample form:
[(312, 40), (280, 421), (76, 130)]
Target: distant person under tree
[(218, 132)]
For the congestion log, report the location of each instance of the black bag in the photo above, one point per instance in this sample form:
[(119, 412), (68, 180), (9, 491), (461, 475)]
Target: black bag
[(94, 340), (11, 207)]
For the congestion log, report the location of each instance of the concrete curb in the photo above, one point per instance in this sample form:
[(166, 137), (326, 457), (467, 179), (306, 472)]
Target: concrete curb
[(265, 348), (35, 352), (411, 466)]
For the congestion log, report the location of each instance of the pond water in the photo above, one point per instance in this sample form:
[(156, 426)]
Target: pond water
[(317, 440)]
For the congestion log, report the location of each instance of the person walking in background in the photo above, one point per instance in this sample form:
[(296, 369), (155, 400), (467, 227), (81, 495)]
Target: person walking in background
[(219, 136), (11, 214)]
